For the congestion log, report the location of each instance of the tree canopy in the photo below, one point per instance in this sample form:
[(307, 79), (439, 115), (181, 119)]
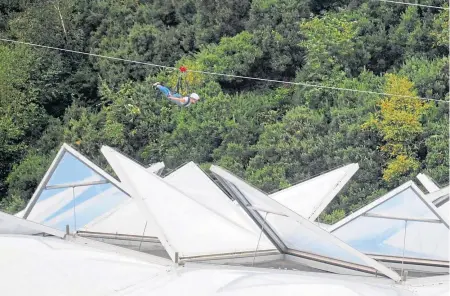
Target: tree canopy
[(272, 134)]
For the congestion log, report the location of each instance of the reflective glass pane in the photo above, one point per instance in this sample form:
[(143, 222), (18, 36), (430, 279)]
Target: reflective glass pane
[(405, 204), (368, 234), (423, 240), (75, 207), (72, 170), (297, 237), (305, 237)]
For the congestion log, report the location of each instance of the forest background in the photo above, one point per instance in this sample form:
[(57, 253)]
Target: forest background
[(274, 135)]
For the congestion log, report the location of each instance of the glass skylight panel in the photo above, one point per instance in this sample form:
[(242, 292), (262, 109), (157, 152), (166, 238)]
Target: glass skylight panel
[(404, 204), (76, 193), (300, 236), (71, 170), (401, 223)]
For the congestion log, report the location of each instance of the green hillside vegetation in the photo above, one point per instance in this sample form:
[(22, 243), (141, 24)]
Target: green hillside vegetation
[(272, 134)]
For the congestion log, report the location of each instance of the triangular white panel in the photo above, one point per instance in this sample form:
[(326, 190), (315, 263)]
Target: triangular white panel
[(186, 227), (379, 228), (192, 181), (299, 236), (73, 192), (310, 198)]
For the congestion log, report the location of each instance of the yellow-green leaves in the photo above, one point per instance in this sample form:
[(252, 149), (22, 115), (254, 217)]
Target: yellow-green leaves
[(398, 121)]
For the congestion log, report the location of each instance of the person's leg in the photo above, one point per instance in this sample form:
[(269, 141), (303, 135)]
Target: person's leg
[(164, 90)]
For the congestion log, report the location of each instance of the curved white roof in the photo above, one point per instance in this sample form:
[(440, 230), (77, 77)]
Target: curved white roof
[(45, 266)]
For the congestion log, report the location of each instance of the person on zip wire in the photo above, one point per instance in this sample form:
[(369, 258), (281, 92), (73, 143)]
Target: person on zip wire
[(176, 97)]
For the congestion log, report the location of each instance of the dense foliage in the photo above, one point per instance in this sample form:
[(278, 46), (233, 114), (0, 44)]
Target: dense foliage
[(274, 135)]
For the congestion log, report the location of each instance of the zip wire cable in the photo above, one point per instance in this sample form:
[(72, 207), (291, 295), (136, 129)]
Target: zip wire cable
[(222, 74), (412, 4)]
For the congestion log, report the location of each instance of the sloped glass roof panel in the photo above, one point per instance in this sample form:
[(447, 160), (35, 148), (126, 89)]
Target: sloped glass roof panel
[(76, 193), (310, 198), (404, 204), (307, 240), (71, 170), (368, 235), (296, 232), (87, 205), (423, 240), (403, 207), (186, 226)]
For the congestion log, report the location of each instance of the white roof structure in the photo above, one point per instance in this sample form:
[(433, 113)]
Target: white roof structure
[(125, 219), (73, 192), (379, 228), (427, 182), (189, 226), (76, 266), (440, 199), (296, 236), (156, 168), (311, 197), (308, 199), (194, 182), (76, 192), (128, 219), (14, 225)]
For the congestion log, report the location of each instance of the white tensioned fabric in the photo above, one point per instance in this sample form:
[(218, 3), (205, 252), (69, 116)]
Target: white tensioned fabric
[(73, 192), (191, 180), (379, 228), (126, 218), (186, 226), (49, 266), (297, 233), (310, 198), (45, 266)]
